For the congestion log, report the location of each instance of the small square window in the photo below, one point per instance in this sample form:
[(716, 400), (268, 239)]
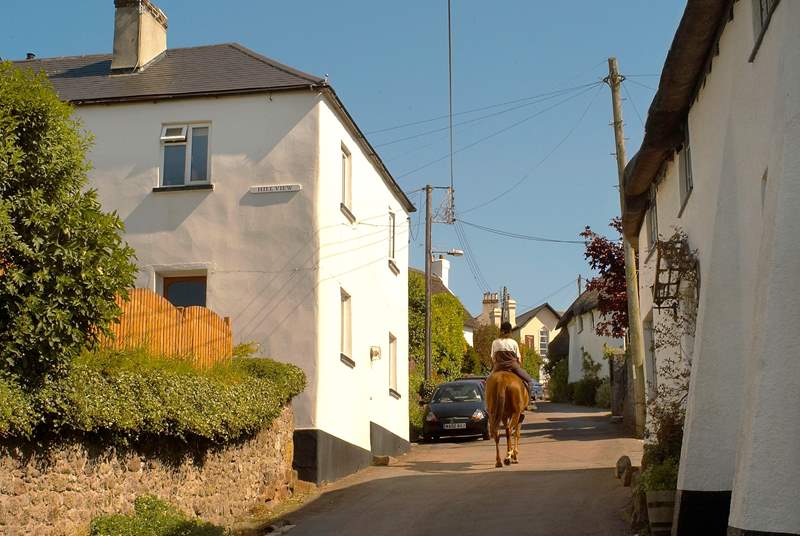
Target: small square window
[(392, 233), (346, 326), (186, 154), (185, 291), (392, 362), (685, 168), (347, 178)]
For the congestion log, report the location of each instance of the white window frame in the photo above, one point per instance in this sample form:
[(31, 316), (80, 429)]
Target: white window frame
[(346, 327), (392, 363), (392, 235), (652, 219), (347, 183), (185, 138), (580, 322), (544, 336), (685, 177)]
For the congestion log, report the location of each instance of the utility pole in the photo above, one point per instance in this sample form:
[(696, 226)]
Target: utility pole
[(428, 269), (635, 331)]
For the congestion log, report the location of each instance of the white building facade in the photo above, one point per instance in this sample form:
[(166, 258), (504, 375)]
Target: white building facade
[(246, 186), (580, 320), (721, 161)]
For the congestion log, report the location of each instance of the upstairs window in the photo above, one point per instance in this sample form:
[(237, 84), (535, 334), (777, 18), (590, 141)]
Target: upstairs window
[(185, 159), (580, 323), (346, 329), (347, 184), (652, 220), (544, 340), (392, 229), (685, 165), (392, 362), (762, 15)]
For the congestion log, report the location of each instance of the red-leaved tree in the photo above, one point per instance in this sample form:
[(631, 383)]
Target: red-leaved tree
[(607, 256)]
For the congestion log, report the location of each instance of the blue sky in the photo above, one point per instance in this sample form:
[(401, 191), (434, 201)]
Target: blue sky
[(388, 62)]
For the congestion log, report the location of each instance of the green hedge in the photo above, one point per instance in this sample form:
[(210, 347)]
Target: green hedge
[(153, 517), (131, 394), (584, 391), (560, 389), (603, 396), (17, 415)]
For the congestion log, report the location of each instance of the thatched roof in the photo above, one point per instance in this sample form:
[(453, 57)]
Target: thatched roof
[(688, 61), (587, 301)]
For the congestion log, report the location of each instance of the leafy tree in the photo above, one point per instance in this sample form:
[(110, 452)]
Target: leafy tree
[(607, 256), (483, 337), (61, 257), (531, 361)]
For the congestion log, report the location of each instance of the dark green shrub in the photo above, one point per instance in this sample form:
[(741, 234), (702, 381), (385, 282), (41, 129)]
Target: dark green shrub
[(560, 389), (17, 413), (153, 517), (471, 364), (603, 396), (131, 394), (585, 391), (661, 476), (62, 257)]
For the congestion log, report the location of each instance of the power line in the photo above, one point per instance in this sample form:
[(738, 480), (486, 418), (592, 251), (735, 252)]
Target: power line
[(450, 88), (472, 264), (481, 118), (538, 164), (509, 234), (553, 293), (633, 103), (643, 85), (498, 132), (482, 108)]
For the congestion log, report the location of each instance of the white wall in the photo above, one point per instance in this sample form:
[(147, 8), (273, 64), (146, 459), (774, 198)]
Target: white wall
[(741, 430), (355, 257), (590, 342), (259, 251)]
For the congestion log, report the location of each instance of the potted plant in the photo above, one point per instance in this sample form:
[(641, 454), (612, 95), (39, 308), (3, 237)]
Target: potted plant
[(660, 480)]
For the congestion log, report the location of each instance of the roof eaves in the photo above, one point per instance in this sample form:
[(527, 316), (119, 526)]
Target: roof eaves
[(370, 151), (688, 61), (190, 95), (276, 64)]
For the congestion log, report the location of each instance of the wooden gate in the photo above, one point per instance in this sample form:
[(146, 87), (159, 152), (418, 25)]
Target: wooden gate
[(149, 320)]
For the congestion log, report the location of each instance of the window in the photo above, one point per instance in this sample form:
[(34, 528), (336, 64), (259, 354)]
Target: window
[(652, 220), (346, 323), (685, 163), (391, 234), (580, 323), (185, 291), (185, 154), (544, 340), (347, 184), (591, 318), (529, 341), (392, 363), (762, 15)]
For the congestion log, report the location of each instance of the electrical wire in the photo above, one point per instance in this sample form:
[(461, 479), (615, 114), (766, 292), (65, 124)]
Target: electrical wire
[(483, 108), (497, 132), (643, 85), (539, 302), (472, 264), (542, 161), (509, 234), (450, 87), (476, 119), (633, 103)]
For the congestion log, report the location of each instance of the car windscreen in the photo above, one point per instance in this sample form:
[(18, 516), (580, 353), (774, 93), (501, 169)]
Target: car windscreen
[(457, 393)]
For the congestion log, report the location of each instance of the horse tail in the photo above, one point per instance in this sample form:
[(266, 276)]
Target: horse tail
[(499, 410)]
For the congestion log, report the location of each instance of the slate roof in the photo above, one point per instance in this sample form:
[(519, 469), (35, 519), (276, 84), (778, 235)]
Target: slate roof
[(525, 317), (222, 69), (587, 301), (438, 287)]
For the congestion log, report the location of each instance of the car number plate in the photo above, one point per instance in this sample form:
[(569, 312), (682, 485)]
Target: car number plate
[(455, 425)]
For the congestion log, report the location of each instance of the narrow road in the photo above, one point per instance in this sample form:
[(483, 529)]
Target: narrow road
[(563, 485)]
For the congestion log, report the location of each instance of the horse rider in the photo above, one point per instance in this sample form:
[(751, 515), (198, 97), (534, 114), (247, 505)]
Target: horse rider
[(506, 356)]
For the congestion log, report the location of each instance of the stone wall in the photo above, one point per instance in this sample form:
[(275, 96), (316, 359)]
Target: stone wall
[(58, 490)]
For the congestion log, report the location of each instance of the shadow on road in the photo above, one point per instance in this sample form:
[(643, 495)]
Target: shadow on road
[(574, 502)]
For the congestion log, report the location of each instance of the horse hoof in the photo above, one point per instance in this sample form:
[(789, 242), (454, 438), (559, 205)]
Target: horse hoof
[(507, 461), (498, 464), (514, 461)]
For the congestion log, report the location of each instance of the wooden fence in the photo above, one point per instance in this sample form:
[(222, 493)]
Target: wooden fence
[(149, 320)]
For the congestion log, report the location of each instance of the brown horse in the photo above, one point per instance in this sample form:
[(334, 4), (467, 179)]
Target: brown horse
[(506, 399)]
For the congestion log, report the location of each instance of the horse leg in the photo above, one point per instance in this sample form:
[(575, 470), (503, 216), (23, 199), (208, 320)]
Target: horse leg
[(515, 439), (509, 444), (516, 442), (496, 434)]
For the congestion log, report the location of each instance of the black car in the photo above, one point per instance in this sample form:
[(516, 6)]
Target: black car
[(457, 408)]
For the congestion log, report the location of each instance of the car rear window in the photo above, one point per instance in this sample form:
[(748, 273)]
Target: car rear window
[(457, 393)]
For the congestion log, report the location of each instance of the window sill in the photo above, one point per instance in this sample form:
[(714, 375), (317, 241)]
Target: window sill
[(763, 31), (347, 212), (393, 267), (347, 361), (394, 394), (184, 188)]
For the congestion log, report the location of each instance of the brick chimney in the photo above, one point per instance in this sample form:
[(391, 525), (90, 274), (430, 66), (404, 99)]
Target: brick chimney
[(140, 34), (512, 311), (491, 309)]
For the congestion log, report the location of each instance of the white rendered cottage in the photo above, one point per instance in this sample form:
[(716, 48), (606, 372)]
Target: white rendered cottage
[(246, 186), (721, 160), (579, 321)]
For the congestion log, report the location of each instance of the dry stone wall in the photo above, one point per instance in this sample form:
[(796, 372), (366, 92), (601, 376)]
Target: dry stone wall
[(59, 489)]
